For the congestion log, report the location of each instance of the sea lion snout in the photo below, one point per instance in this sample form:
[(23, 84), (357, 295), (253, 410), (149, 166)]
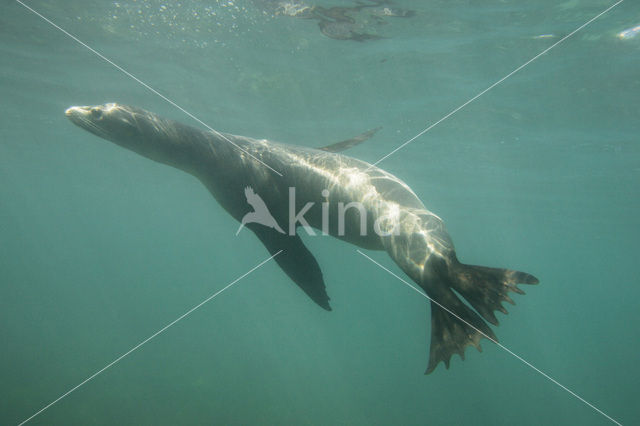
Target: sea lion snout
[(79, 115), (75, 110)]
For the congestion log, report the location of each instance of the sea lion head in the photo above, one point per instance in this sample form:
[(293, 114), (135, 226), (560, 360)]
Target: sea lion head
[(135, 129), (121, 124)]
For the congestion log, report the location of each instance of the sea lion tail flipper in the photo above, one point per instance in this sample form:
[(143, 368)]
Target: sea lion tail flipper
[(486, 288), (454, 326)]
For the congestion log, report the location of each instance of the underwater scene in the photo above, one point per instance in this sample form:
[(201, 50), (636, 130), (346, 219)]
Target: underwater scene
[(178, 247)]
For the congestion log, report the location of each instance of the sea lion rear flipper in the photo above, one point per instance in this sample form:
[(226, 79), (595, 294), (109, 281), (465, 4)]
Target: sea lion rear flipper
[(453, 324), (346, 144), (296, 260), (451, 334)]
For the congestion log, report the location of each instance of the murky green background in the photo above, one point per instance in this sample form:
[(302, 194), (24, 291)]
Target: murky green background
[(100, 247)]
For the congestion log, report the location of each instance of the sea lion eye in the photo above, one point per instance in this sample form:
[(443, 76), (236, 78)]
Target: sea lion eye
[(96, 113)]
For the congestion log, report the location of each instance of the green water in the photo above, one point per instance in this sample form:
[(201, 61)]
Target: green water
[(101, 248)]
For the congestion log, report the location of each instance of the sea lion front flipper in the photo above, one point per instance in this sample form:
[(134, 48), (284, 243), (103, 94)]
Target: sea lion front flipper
[(346, 144), (296, 260)]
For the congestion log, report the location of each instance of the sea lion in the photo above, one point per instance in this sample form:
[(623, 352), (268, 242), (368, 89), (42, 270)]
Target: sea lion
[(318, 183)]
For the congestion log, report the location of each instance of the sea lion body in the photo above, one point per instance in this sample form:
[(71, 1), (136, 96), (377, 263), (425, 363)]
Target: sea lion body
[(332, 193)]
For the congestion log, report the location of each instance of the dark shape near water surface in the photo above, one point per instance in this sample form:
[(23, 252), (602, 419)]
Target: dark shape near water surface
[(340, 22), (414, 237)]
